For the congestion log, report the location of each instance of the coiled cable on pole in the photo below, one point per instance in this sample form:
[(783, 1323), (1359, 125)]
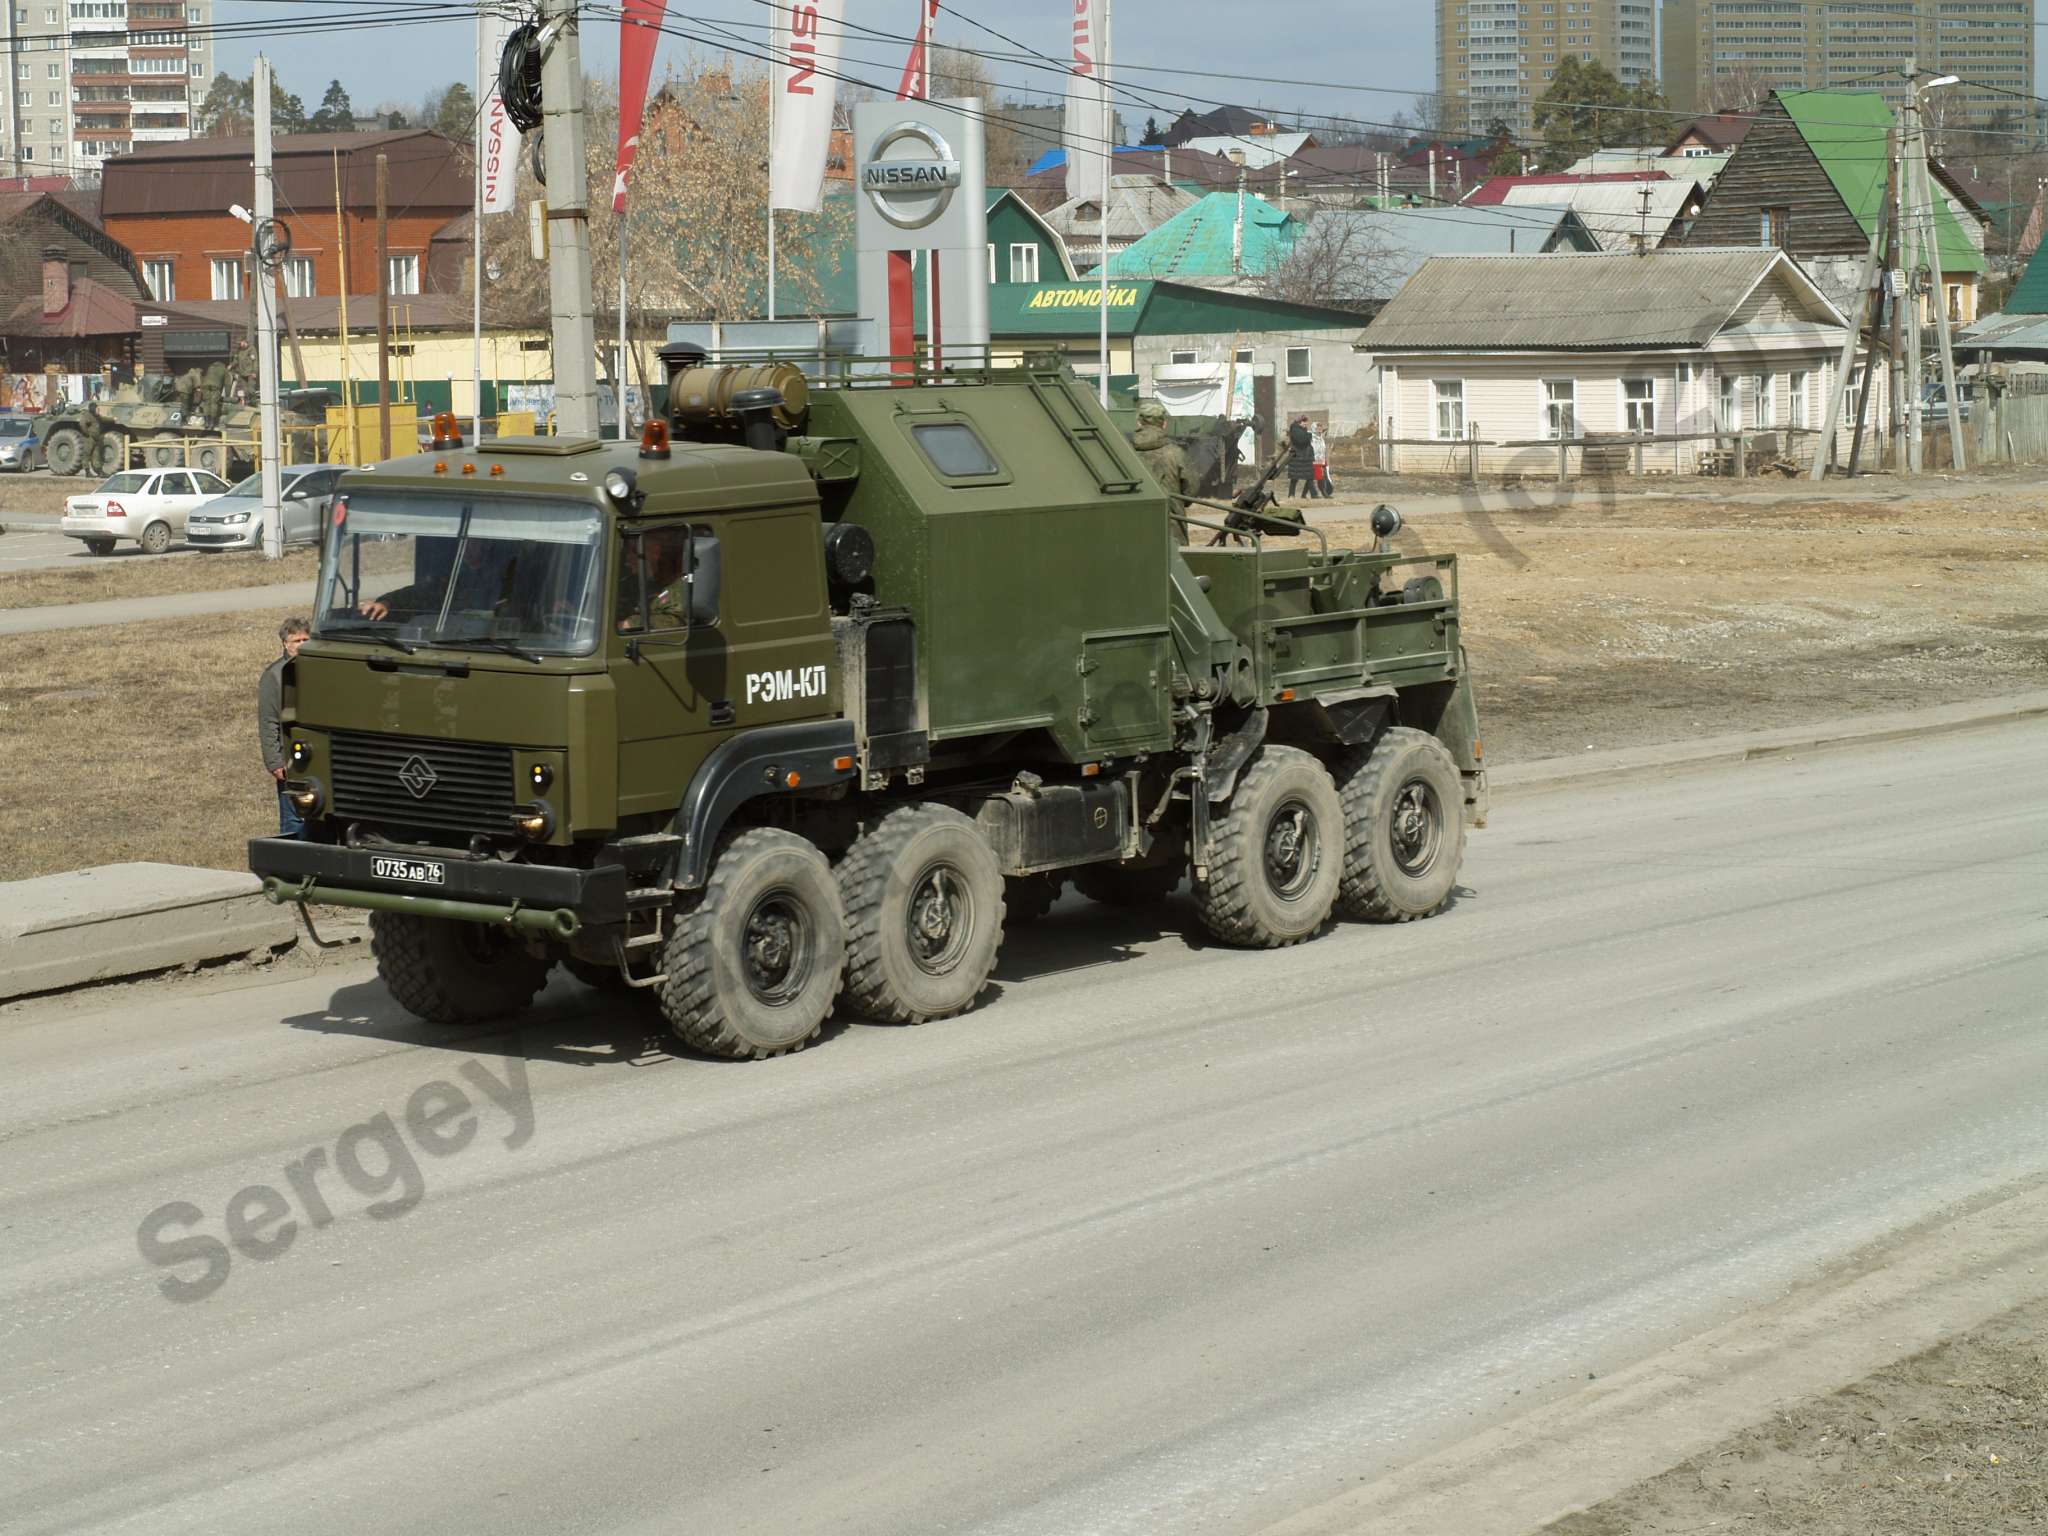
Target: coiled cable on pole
[(519, 76)]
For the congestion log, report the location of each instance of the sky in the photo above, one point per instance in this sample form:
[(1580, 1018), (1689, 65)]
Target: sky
[(1356, 59)]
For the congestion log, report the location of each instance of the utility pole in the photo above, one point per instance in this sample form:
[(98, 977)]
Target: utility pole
[(572, 313), (1894, 266), (1933, 212), (1874, 304), (269, 428), (1914, 234), (383, 309)]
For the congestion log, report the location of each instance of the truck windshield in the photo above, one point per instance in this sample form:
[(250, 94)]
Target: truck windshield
[(503, 573)]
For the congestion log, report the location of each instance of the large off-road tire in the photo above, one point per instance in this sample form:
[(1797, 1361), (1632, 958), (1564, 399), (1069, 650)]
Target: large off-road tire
[(1027, 898), (753, 967), (1275, 853), (1404, 828), (162, 451), (64, 452), (450, 972), (1120, 885), (211, 457), (156, 538), (112, 457), (100, 546), (924, 915)]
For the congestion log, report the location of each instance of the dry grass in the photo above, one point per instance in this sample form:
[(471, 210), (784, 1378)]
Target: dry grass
[(133, 742), (40, 494), (116, 577)]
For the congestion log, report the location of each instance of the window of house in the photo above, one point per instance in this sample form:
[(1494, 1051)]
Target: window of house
[(1774, 223), (1854, 403), (1560, 408), (1449, 395), (991, 261), (1180, 357), (1731, 412), (403, 274), (227, 277), (1244, 354), (1795, 390), (1955, 303), (1023, 263), (1766, 400), (1639, 406), (1298, 365), (298, 277), (160, 276)]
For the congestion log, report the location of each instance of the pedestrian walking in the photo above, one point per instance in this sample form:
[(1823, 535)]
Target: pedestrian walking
[(292, 634), (1301, 457), (1321, 450)]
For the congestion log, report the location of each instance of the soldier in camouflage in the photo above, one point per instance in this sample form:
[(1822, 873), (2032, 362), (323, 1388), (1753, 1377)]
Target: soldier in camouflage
[(1163, 457)]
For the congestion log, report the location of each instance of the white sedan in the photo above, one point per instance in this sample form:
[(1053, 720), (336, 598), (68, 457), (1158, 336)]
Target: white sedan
[(146, 505)]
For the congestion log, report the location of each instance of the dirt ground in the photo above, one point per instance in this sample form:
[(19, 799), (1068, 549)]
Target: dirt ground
[(137, 741), (194, 571), (1626, 624), (1952, 1442)]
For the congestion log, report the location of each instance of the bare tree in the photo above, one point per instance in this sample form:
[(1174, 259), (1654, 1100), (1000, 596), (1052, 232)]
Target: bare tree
[(1340, 261), (955, 72), (1742, 89), (697, 224)]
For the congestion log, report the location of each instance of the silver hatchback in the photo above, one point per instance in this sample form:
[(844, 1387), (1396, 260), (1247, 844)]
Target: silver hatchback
[(235, 521)]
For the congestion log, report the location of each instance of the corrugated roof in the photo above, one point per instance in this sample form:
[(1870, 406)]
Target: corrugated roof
[(1846, 132), (1572, 302), (1614, 210), (204, 176), (2030, 293), (94, 310), (1137, 206), (1400, 240), (1495, 188), (2009, 333), (1198, 241)]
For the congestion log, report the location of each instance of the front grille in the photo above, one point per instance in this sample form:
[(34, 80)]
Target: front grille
[(466, 785)]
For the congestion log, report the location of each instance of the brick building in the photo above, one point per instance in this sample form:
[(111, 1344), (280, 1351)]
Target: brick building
[(169, 204)]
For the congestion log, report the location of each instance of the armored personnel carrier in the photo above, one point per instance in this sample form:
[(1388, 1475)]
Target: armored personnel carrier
[(172, 420), (804, 698)]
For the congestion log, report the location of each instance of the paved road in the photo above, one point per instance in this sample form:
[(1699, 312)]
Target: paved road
[(26, 548), (1166, 1238), (164, 605)]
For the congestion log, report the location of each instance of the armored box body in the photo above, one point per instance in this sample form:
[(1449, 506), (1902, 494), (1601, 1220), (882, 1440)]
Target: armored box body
[(1029, 548)]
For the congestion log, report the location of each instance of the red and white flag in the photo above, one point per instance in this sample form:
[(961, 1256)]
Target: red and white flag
[(916, 84), (639, 31), (498, 140), (1084, 128), (803, 74)]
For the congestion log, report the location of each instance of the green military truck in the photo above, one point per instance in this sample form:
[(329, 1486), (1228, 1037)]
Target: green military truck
[(802, 699)]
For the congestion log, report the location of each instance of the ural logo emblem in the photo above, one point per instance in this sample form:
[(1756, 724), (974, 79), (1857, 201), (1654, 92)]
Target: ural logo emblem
[(418, 777)]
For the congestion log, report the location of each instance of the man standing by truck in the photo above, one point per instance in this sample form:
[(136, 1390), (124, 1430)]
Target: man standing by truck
[(270, 722)]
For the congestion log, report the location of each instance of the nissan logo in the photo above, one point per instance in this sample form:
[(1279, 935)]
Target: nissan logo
[(910, 193)]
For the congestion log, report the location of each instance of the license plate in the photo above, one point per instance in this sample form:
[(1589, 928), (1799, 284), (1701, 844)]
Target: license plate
[(411, 871)]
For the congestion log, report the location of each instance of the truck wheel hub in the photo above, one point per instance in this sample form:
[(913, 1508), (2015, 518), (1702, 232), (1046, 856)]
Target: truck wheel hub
[(941, 920), (1290, 849), (777, 949), (1418, 828)]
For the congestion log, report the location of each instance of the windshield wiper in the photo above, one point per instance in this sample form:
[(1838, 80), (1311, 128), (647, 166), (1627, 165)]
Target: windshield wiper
[(489, 643), (366, 632)]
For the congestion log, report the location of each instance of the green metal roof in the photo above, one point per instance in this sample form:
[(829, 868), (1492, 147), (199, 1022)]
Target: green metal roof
[(1846, 132), (1197, 241), (2030, 293)]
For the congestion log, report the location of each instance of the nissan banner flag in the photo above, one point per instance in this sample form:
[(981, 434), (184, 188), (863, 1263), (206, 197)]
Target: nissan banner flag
[(639, 31), (497, 139), (803, 75), (916, 84), (1083, 129)]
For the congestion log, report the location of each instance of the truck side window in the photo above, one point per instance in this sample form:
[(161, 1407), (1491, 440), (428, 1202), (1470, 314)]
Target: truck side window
[(655, 565), (954, 449)]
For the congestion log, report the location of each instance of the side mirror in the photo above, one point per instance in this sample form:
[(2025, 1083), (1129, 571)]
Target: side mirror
[(705, 570)]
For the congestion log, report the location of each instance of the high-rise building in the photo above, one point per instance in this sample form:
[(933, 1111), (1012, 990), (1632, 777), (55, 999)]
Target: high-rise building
[(92, 78), (1494, 58), (1724, 53)]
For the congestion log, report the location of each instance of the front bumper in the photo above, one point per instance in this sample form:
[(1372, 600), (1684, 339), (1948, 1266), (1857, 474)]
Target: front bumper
[(534, 898), (223, 536)]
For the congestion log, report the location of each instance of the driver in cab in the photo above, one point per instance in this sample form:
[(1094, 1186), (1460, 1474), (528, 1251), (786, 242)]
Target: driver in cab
[(665, 552), (483, 582)]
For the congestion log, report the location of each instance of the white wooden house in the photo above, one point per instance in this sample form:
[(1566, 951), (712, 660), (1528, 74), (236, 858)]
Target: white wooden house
[(1531, 349)]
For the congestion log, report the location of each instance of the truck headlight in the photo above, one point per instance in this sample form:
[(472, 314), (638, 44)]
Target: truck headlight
[(304, 794), (535, 820)]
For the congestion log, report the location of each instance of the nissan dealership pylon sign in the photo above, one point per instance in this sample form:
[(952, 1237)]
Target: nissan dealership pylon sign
[(923, 190)]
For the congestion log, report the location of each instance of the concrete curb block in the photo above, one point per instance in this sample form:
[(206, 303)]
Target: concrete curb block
[(1639, 762), (31, 525), (124, 919)]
